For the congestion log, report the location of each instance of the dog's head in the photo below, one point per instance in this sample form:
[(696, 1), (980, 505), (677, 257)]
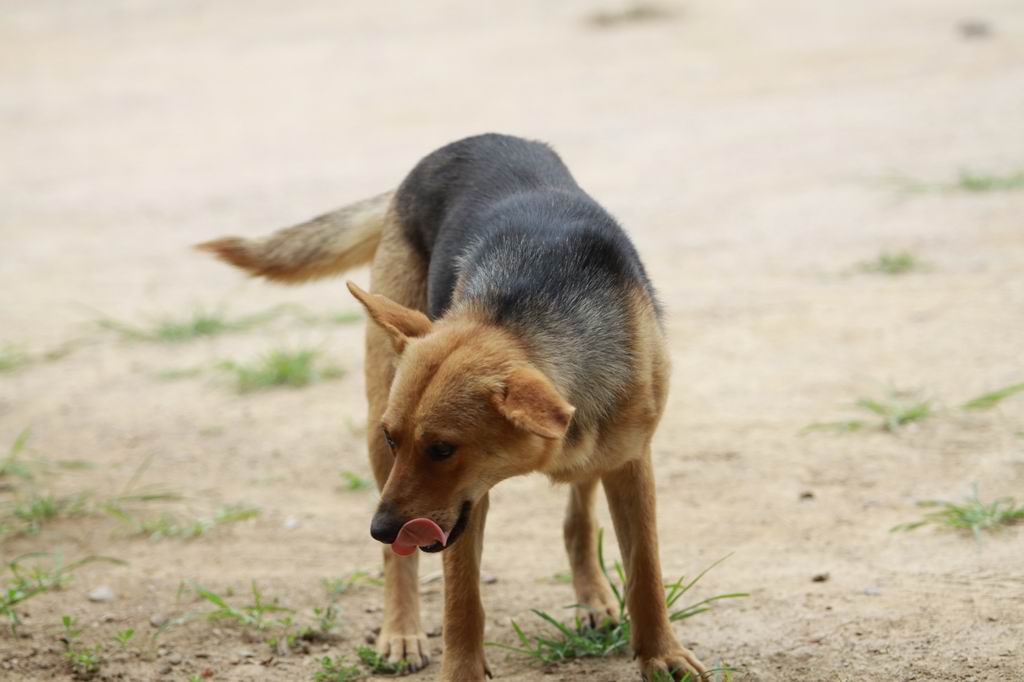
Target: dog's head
[(466, 410)]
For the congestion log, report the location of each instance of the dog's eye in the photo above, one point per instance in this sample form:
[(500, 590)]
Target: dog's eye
[(438, 451), (389, 439)]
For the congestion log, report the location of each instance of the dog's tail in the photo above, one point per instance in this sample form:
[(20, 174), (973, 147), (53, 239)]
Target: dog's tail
[(326, 245)]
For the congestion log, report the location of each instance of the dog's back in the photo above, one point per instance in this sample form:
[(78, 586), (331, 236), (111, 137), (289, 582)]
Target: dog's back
[(502, 220)]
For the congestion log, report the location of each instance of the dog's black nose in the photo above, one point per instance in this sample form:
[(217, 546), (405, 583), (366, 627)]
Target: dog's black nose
[(386, 524)]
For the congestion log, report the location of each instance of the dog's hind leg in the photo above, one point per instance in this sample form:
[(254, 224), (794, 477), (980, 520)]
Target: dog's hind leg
[(400, 274), (630, 490), (580, 529)]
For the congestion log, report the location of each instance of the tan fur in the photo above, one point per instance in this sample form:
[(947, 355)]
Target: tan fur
[(326, 245), (463, 610), (465, 381), (580, 532), (400, 275), (530, 402)]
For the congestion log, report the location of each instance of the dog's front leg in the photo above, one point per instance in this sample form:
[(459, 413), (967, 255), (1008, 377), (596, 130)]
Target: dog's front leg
[(401, 636), (463, 611), (630, 491)]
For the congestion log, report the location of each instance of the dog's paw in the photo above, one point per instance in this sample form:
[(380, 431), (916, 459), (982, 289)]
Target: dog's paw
[(598, 602), (678, 664), (601, 615), (411, 648), (465, 668)]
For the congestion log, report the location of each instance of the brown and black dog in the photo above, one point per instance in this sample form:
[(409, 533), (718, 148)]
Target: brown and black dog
[(515, 331)]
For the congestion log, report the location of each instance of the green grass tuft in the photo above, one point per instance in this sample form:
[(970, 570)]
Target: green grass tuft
[(291, 368), (12, 358), (205, 323), (254, 615), (562, 577), (35, 510), (169, 526), (345, 318), (353, 482), (337, 670), (971, 181), (29, 576), (31, 507), (124, 637), (975, 182), (989, 400), (895, 411), (197, 324), (973, 514), (84, 664), (335, 587), (11, 466), (581, 640), (378, 665), (896, 263)]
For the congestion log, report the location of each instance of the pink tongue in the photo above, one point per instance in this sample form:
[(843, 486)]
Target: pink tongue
[(417, 533)]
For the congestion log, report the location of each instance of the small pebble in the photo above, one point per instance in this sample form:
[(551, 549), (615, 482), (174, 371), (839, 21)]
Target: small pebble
[(101, 594), (872, 591), (245, 653), (158, 620), (174, 659), (820, 577), (489, 579), (291, 523), (164, 669), (807, 495)]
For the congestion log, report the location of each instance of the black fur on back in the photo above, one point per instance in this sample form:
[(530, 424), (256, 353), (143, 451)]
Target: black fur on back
[(504, 219)]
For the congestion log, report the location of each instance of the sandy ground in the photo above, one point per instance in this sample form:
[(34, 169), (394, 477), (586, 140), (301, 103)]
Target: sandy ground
[(746, 147)]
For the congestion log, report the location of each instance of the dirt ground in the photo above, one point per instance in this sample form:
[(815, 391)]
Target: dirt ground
[(748, 147)]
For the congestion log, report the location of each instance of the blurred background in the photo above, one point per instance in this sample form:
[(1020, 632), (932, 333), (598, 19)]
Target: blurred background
[(828, 196)]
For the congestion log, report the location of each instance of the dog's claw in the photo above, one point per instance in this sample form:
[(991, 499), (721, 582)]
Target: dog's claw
[(675, 665), (409, 648), (600, 618), (602, 609)]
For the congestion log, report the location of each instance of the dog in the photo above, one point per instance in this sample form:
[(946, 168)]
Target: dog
[(514, 330)]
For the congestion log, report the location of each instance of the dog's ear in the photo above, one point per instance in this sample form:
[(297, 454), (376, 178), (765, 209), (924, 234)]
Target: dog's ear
[(399, 322), (532, 403)]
